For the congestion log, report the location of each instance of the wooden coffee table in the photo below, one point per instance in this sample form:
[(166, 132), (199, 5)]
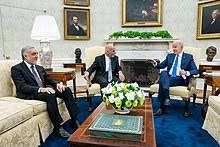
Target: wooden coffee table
[(82, 138)]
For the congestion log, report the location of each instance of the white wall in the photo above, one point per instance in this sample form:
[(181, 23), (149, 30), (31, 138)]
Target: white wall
[(17, 16)]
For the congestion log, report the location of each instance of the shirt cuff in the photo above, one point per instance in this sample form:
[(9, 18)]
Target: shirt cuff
[(187, 73)]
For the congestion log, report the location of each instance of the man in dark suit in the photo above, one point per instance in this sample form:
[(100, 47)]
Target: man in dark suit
[(107, 68), (33, 83), (74, 29), (180, 66), (213, 25)]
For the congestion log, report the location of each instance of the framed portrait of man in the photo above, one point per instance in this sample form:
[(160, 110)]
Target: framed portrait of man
[(141, 13), (76, 24), (208, 22), (77, 2)]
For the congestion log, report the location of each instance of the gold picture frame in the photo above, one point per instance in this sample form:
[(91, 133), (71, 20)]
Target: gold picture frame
[(141, 13), (208, 21), (76, 24), (77, 2)]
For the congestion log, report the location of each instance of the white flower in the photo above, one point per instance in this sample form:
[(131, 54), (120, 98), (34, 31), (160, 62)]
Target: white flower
[(140, 93), (111, 99), (119, 94), (130, 95)]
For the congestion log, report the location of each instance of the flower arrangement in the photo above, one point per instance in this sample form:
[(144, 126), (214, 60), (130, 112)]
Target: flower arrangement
[(121, 95)]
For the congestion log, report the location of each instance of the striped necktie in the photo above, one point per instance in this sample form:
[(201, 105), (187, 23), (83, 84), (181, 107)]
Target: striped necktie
[(110, 71), (39, 81)]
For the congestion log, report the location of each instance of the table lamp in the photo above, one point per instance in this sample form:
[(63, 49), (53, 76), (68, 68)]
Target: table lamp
[(45, 29)]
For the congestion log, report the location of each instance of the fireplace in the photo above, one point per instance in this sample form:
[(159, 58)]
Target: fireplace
[(140, 71)]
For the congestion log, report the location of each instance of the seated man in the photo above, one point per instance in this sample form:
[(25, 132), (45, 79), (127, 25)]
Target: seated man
[(33, 83), (107, 68), (180, 66)]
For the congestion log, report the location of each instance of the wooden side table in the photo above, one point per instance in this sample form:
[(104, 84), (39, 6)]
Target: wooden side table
[(76, 65), (211, 74), (64, 75)]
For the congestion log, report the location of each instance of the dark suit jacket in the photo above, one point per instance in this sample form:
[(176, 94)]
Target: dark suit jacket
[(187, 63), (73, 31), (212, 28), (99, 66), (26, 85)]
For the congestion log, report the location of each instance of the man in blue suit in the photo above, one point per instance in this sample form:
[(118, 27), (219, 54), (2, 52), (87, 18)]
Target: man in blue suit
[(180, 66)]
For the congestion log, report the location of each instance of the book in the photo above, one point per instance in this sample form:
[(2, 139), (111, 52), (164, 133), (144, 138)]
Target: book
[(123, 127)]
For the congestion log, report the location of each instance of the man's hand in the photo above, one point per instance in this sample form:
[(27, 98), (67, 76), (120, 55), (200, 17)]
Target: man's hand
[(121, 76), (61, 87), (47, 89), (152, 61), (182, 72), (86, 75)]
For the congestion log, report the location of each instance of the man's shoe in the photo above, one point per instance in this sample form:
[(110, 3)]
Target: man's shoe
[(76, 124), (159, 112), (62, 133), (167, 102)]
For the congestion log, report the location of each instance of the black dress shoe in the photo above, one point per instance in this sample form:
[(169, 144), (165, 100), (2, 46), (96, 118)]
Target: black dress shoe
[(159, 112), (187, 114), (61, 132), (76, 124)]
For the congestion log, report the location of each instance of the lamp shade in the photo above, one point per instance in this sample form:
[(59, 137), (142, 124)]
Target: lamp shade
[(45, 28)]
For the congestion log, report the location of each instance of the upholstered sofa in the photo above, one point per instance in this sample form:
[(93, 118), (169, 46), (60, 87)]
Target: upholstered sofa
[(212, 119), (23, 123)]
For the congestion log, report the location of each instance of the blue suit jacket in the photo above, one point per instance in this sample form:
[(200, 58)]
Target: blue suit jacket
[(187, 63)]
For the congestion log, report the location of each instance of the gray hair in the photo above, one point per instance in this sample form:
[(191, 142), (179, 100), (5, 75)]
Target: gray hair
[(24, 50), (178, 43)]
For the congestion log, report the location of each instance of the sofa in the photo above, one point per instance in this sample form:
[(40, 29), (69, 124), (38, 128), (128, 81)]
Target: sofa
[(212, 119), (23, 123)]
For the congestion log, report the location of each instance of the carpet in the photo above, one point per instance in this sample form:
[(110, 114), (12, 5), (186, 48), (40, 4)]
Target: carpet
[(172, 129)]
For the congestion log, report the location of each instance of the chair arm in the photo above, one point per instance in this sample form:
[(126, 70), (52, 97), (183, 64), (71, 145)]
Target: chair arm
[(192, 82), (91, 76)]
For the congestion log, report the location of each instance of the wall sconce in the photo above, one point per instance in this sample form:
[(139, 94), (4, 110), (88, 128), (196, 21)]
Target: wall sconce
[(45, 29)]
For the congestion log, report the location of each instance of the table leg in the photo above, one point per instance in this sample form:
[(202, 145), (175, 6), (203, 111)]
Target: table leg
[(217, 92), (74, 87), (213, 90), (204, 92)]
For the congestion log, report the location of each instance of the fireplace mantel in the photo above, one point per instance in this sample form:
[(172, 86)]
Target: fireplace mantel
[(140, 40), (142, 48)]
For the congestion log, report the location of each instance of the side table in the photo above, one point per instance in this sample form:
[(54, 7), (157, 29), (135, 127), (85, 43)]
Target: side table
[(64, 75), (76, 65)]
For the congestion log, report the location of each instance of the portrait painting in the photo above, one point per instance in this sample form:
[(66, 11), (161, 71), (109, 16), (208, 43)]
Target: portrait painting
[(141, 13), (208, 22), (76, 24), (77, 2)]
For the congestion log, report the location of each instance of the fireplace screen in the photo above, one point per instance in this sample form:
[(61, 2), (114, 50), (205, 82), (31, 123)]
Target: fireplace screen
[(140, 71)]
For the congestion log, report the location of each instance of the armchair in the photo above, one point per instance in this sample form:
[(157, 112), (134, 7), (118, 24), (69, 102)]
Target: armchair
[(92, 89), (183, 91)]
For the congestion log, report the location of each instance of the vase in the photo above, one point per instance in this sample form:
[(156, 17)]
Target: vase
[(123, 110)]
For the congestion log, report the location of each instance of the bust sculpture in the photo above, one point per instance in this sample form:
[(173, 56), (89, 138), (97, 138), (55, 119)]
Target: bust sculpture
[(211, 52), (78, 55)]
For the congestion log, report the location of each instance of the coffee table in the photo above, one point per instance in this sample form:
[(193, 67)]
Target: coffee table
[(82, 138)]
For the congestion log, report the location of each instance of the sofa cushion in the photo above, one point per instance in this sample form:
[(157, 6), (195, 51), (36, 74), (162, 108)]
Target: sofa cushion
[(5, 77), (12, 114), (214, 102), (38, 106)]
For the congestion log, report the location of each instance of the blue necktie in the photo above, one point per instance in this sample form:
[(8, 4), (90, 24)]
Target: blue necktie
[(173, 74)]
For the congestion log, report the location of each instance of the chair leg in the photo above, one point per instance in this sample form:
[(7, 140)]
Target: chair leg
[(186, 111), (194, 100), (89, 99)]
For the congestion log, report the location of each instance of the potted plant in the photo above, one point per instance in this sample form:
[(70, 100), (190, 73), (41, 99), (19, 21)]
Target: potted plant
[(123, 96), (140, 35)]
